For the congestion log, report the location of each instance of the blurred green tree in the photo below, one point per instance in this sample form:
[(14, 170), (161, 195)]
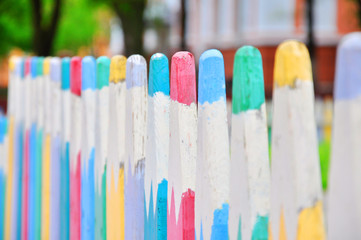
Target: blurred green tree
[(131, 14), (14, 25), (46, 26), (78, 25), (45, 21)]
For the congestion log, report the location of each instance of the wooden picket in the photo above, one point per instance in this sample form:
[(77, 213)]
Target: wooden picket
[(55, 161), (3, 169), (116, 149), (88, 97), (156, 168), (296, 194), (45, 111), (75, 147), (250, 173), (134, 166), (344, 211), (65, 149), (101, 146), (213, 159), (9, 192), (182, 147)]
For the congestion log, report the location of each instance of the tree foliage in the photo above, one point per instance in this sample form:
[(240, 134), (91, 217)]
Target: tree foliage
[(44, 27), (15, 27), (76, 25), (45, 23), (131, 14)]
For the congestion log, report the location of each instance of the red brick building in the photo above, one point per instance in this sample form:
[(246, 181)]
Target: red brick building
[(230, 24)]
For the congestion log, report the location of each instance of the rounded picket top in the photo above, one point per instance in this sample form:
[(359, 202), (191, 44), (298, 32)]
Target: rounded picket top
[(45, 70), (118, 65), (183, 78), (16, 65), (33, 67), (19, 68), (296, 194), (27, 65), (88, 73), (212, 86), (42, 63), (248, 82), (75, 75), (158, 74), (103, 68), (136, 70), (3, 128), (65, 73), (12, 63), (348, 71), (55, 69), (292, 62)]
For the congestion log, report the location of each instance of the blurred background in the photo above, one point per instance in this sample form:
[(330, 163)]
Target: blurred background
[(109, 27)]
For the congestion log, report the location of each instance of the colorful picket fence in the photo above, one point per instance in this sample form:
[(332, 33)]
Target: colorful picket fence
[(344, 215), (90, 149)]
